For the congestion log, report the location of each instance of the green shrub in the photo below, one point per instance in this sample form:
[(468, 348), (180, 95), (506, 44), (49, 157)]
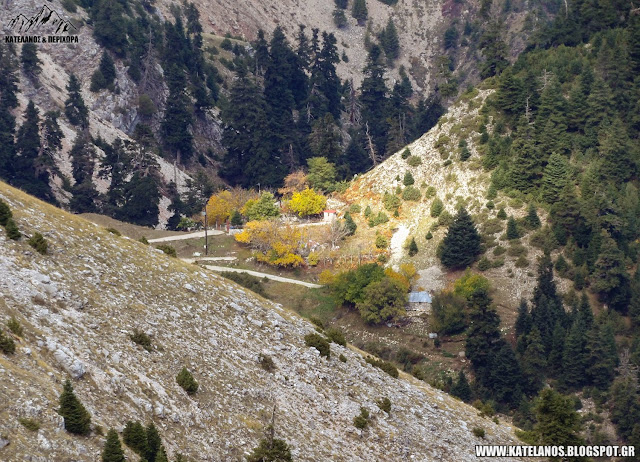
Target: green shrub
[(12, 230), (38, 242), (414, 161), (253, 283), (478, 432), (406, 153), (77, 419), (14, 326), (499, 250), (522, 262), (186, 381), (367, 212), (384, 404), (7, 345), (5, 213), (517, 250), (497, 263), (502, 214), (445, 219), (114, 231), (319, 343), (512, 229), (142, 339), (361, 421), (169, 250), (430, 192), (379, 219), (342, 358), (492, 226), (30, 424), (484, 264), (336, 335), (391, 201), (267, 363), (411, 193), (429, 236), (317, 322), (381, 242), (143, 240), (355, 208), (384, 365), (436, 207)]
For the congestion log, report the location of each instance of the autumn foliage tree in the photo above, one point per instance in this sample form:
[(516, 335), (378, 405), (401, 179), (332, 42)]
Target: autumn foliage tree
[(274, 243), (307, 202)]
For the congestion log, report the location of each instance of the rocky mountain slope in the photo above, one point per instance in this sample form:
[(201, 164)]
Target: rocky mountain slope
[(79, 304), (441, 174)]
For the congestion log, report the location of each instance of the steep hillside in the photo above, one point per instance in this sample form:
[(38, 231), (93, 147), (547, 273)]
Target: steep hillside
[(441, 175), (79, 304)]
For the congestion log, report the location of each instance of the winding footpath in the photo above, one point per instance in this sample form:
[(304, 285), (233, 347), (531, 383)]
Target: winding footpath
[(266, 275)]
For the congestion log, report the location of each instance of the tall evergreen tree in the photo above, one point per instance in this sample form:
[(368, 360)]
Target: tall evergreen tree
[(574, 361), (154, 442), (557, 421), (359, 11), (461, 245), (83, 163), (112, 451), (533, 362), (611, 279), (74, 107), (523, 321), (602, 357), (389, 41), (134, 436), (556, 175), (461, 388), (110, 25), (373, 98), (494, 50), (76, 418), (324, 84), (30, 61), (250, 159), (178, 119), (483, 336)]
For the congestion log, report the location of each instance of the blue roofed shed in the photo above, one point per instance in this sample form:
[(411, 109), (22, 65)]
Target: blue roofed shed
[(419, 301)]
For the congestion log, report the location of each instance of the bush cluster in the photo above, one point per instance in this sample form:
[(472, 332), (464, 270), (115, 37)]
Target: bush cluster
[(384, 365), (319, 343), (186, 381)]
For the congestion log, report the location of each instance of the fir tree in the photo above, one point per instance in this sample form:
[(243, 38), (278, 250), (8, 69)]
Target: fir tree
[(611, 279), (110, 26), (135, 437), (557, 421), (105, 75), (533, 362), (12, 230), (483, 335), (112, 451), (532, 221), (523, 321), (512, 229), (154, 443), (5, 213), (177, 121), (373, 98), (494, 50), (76, 418), (461, 388), (436, 207), (461, 245), (249, 159), (359, 11), (74, 107), (555, 178), (82, 161), (162, 455), (574, 359), (30, 61), (413, 247), (506, 376), (602, 357), (408, 179), (350, 224), (556, 350), (389, 41), (502, 215)]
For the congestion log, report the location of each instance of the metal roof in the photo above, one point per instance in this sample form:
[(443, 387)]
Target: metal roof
[(419, 297)]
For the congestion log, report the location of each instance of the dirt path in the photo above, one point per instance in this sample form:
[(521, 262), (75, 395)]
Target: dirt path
[(260, 275), (181, 237)]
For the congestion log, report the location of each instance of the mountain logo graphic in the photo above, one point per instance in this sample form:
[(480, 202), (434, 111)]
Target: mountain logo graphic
[(45, 18)]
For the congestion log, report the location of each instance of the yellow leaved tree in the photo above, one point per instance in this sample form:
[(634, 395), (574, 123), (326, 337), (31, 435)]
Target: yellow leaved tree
[(307, 202), (274, 243)]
